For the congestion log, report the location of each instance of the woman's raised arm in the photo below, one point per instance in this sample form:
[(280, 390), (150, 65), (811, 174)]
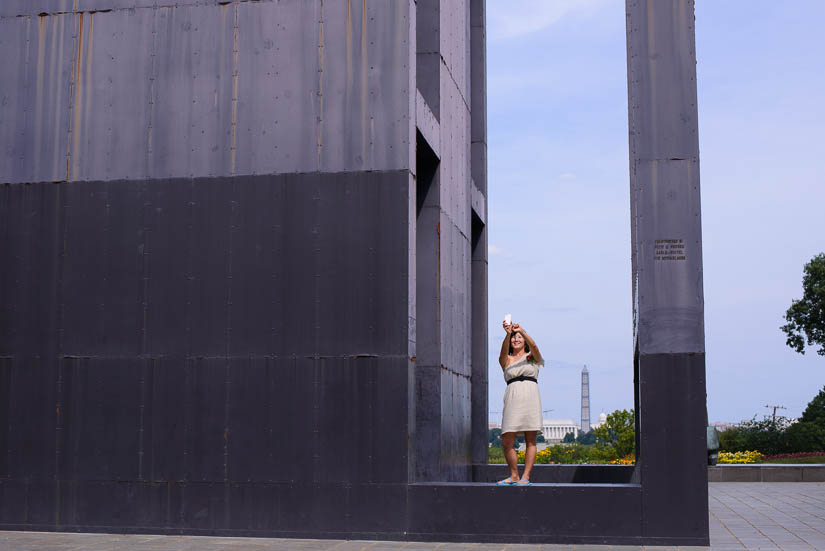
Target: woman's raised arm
[(505, 345), (534, 348)]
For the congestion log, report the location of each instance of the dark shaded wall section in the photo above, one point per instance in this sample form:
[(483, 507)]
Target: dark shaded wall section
[(208, 214), (197, 331)]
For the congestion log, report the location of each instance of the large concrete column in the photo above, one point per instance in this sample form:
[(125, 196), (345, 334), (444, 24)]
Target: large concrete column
[(667, 268), (451, 363), (478, 166)]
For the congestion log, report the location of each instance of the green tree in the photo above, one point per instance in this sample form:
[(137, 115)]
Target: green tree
[(806, 317), (808, 433), (618, 434), (815, 412), (568, 438), (768, 436), (586, 438), (732, 440), (806, 437), (495, 438)]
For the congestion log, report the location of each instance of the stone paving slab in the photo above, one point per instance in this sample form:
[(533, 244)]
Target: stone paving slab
[(787, 516), (778, 516)]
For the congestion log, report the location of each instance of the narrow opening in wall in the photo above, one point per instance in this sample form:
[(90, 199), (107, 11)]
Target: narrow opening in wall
[(478, 307), (559, 238), (427, 329), (426, 163)]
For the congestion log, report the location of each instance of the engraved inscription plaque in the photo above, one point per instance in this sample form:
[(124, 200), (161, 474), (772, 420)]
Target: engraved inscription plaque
[(669, 249)]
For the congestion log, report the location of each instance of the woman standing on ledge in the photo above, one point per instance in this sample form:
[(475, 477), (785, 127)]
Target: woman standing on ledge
[(520, 360)]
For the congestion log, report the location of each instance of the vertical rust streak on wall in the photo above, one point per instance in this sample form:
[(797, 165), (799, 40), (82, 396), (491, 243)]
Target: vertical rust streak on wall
[(348, 86), (364, 82), (349, 50), (319, 143), (151, 108), (77, 90), (219, 89), (69, 111), (87, 88), (38, 105), (21, 133), (234, 90), (56, 64)]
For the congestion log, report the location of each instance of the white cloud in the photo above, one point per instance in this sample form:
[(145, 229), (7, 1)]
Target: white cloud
[(514, 18), (496, 251)]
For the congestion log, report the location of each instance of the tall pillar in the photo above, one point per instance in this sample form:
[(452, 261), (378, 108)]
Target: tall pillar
[(666, 237), (478, 170), (585, 418)]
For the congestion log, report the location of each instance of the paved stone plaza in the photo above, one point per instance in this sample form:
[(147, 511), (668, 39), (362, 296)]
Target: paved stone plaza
[(777, 516)]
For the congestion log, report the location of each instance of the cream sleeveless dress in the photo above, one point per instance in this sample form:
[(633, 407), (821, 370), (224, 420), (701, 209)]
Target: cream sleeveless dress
[(522, 403)]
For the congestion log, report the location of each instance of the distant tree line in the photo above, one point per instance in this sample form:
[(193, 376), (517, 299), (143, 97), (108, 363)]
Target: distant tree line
[(587, 438), (780, 435)]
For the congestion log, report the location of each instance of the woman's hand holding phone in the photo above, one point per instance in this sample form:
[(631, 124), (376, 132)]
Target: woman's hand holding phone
[(507, 323)]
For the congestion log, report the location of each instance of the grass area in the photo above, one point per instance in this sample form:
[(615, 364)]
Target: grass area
[(796, 460)]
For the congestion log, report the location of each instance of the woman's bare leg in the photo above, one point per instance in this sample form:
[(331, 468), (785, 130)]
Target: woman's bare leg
[(507, 441), (530, 454)]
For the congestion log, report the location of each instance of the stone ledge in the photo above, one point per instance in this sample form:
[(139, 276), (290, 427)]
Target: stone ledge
[(561, 474), (767, 473)]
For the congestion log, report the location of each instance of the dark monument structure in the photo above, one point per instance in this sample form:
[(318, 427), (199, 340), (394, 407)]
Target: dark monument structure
[(243, 276)]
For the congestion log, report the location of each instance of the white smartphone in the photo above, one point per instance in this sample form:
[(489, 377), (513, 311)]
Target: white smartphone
[(508, 319)]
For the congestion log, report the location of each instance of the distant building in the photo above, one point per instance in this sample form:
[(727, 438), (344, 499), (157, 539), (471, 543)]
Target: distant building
[(554, 430), (602, 421), (722, 425)]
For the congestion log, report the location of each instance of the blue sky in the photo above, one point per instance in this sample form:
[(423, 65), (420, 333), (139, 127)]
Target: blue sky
[(559, 230)]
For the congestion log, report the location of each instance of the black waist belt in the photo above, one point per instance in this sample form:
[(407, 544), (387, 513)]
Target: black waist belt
[(522, 378)]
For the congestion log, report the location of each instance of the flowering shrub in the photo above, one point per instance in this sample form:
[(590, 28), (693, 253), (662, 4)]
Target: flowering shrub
[(740, 457), (543, 457), (555, 454), (629, 459), (577, 454), (793, 455)]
